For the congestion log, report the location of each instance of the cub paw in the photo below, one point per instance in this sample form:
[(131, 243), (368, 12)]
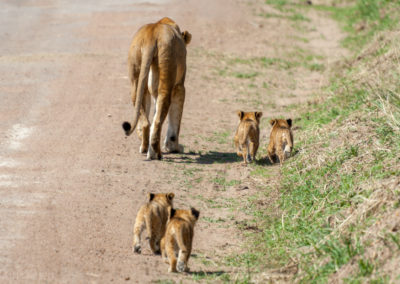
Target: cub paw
[(249, 158)]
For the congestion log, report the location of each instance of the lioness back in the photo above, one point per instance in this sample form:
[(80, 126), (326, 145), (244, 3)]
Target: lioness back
[(157, 68), (153, 216)]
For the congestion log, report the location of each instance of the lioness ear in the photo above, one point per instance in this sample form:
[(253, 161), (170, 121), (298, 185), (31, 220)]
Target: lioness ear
[(240, 114), (171, 212), (170, 196), (289, 121), (258, 114), (272, 122), (195, 213), (150, 196), (187, 37)]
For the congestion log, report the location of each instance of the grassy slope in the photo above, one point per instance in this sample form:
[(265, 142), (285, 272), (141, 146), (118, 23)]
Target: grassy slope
[(337, 216)]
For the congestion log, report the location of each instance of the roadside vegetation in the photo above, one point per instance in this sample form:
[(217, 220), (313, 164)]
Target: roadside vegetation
[(335, 212)]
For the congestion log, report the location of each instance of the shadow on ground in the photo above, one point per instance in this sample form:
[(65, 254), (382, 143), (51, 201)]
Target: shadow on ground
[(264, 161), (211, 157)]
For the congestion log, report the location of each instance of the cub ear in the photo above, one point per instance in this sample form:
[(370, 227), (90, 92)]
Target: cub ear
[(170, 196), (240, 114), (187, 37), (171, 212), (150, 196), (272, 122), (258, 114), (195, 213), (289, 121)]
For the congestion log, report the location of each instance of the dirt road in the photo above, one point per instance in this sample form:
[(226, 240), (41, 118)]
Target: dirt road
[(71, 183)]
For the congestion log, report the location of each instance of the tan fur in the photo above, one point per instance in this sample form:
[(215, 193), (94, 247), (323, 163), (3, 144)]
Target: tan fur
[(154, 216), (281, 139), (248, 135), (157, 68), (178, 239)]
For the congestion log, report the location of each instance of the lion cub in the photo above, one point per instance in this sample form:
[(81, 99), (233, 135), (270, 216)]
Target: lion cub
[(247, 135), (178, 238), (154, 216), (281, 139)]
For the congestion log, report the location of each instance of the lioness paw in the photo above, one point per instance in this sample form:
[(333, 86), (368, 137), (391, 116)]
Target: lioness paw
[(171, 270), (143, 150), (152, 155), (181, 266)]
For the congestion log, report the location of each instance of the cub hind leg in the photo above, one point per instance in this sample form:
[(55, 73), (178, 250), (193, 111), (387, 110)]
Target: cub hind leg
[(153, 235), (271, 153), (245, 153), (137, 231), (170, 245), (253, 149), (185, 249)]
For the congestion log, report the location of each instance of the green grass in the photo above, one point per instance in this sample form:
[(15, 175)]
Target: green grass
[(223, 184), (213, 220), (293, 17), (164, 281), (363, 19), (360, 19), (211, 276), (242, 75), (347, 143), (298, 58)]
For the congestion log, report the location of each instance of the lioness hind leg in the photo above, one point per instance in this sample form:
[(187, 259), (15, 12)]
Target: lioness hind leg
[(162, 106), (171, 143), (144, 123)]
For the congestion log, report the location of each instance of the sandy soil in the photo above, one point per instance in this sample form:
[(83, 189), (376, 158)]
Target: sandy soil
[(71, 182)]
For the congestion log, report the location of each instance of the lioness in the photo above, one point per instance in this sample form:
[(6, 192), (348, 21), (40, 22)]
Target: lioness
[(280, 140), (157, 64), (154, 216), (247, 135), (178, 238)]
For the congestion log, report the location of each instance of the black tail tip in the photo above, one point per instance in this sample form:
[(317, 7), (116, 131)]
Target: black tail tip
[(127, 127)]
